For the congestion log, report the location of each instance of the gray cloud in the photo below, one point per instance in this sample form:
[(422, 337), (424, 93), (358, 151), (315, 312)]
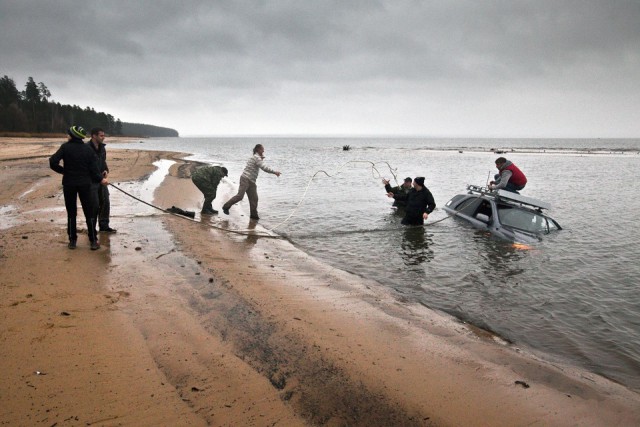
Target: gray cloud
[(447, 68)]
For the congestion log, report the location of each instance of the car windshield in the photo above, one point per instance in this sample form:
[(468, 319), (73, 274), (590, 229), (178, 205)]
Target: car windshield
[(532, 222)]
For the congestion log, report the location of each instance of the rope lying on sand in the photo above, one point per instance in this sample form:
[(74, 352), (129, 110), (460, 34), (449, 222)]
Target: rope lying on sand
[(374, 170), (242, 233)]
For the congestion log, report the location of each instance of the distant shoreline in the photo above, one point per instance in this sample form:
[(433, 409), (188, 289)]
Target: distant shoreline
[(46, 135)]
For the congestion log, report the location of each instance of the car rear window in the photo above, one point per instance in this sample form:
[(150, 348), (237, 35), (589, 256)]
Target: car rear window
[(522, 219)]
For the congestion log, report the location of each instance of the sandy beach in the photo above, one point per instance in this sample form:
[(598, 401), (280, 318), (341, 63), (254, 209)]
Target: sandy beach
[(179, 322)]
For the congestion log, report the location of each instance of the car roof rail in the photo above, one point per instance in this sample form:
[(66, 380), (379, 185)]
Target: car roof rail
[(524, 200), (478, 189), (508, 196)]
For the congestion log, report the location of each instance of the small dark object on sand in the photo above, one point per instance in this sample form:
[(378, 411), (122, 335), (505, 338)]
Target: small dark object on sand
[(522, 383), (182, 212)]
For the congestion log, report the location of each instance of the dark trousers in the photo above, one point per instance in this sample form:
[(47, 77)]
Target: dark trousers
[(208, 189), (513, 188), (104, 206), (510, 186), (88, 202), (412, 218)]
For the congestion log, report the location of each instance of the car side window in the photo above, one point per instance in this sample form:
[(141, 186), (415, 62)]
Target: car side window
[(484, 212), (469, 206)]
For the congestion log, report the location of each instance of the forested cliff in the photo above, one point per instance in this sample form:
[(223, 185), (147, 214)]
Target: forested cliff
[(31, 111)]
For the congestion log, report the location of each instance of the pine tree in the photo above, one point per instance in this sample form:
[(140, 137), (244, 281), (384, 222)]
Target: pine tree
[(31, 92), (9, 93), (44, 93)]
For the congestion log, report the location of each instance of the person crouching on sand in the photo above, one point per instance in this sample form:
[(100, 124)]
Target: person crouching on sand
[(248, 182), (207, 178)]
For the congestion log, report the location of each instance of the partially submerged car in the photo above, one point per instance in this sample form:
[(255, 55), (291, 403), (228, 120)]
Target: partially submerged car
[(506, 215)]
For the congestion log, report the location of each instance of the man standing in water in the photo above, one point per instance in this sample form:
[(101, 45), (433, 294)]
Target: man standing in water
[(248, 182), (420, 203), (102, 191), (509, 177), (207, 179), (399, 189)]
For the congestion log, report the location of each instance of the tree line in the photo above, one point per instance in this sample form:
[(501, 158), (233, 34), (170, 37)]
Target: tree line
[(31, 111)]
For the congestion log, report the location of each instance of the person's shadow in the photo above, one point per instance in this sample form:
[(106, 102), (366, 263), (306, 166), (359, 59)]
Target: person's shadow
[(415, 246)]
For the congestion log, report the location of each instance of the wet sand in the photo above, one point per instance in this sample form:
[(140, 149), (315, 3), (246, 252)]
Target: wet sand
[(178, 322)]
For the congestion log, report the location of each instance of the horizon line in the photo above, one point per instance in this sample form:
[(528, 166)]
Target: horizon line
[(382, 136)]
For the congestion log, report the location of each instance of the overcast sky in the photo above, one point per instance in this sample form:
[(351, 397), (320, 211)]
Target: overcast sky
[(542, 68)]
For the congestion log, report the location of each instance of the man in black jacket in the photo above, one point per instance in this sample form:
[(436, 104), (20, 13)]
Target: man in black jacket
[(420, 203), (392, 191), (79, 172), (103, 209)]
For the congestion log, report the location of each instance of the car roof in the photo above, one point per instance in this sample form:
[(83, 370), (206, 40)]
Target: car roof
[(508, 197)]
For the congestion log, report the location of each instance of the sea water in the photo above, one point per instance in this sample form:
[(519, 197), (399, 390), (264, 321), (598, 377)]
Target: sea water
[(573, 297)]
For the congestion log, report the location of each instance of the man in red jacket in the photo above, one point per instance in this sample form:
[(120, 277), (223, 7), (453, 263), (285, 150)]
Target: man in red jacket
[(509, 177)]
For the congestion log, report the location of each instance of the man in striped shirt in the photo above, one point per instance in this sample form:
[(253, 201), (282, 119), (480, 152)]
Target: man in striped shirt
[(248, 182)]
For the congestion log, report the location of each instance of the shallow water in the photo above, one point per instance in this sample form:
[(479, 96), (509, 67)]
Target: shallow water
[(572, 297)]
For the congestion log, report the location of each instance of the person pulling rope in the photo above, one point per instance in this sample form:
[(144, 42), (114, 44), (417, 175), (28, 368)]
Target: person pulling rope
[(176, 211), (189, 218)]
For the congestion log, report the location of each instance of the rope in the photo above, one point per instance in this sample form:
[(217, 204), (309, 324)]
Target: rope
[(374, 171), (242, 233), (338, 171)]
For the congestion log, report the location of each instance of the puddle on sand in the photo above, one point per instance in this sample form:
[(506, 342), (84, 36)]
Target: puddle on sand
[(8, 217), (124, 206), (155, 179), (143, 249)]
